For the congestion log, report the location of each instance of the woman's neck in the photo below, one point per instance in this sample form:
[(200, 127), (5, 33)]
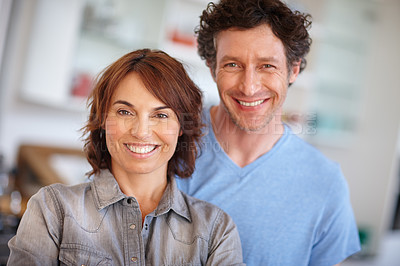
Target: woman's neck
[(147, 189)]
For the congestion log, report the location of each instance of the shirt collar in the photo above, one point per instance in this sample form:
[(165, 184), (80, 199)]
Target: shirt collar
[(106, 191), (173, 199)]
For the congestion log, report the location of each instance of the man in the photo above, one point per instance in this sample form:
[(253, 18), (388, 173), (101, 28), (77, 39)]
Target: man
[(290, 203)]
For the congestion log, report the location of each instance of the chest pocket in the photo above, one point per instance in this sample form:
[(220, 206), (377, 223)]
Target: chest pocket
[(74, 254)]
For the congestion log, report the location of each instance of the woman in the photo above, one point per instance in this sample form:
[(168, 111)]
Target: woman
[(142, 131)]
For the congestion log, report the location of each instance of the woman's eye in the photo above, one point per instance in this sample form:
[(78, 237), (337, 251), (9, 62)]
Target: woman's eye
[(124, 112)]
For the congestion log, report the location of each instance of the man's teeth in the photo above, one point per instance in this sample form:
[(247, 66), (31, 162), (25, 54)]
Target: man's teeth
[(251, 103), (142, 149)]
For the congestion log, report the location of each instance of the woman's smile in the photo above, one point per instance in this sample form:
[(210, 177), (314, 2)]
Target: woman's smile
[(142, 151)]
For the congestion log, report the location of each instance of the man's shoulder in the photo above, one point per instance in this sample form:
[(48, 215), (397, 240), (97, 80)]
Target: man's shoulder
[(318, 169), (305, 151)]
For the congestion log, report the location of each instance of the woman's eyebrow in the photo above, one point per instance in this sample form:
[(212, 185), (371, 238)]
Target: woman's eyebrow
[(131, 105), (123, 102)]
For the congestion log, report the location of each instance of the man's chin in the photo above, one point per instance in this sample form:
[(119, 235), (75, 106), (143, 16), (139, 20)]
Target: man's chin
[(251, 126)]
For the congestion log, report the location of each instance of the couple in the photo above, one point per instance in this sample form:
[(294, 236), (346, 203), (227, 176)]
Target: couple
[(290, 204)]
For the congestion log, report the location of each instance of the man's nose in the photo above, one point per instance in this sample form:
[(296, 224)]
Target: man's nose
[(250, 82)]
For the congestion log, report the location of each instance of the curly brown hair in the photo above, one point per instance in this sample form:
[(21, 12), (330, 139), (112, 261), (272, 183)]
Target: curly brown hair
[(290, 27), (168, 81)]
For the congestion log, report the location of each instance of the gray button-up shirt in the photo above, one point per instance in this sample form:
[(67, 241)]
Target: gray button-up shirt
[(96, 224)]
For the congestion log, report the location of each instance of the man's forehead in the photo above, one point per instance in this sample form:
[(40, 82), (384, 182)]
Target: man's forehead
[(259, 43)]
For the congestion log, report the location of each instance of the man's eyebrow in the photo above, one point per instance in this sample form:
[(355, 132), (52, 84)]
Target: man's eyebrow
[(261, 59), (131, 105), (228, 58), (161, 108), (269, 59)]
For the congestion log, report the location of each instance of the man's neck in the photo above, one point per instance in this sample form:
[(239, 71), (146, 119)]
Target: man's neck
[(244, 147)]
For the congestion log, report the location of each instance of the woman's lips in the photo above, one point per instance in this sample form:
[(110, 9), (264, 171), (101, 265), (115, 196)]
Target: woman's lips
[(141, 149)]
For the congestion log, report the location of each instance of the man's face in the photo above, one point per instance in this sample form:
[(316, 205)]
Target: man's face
[(252, 75)]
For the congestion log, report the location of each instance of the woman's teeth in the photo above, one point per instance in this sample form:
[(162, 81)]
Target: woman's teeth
[(255, 103), (141, 149)]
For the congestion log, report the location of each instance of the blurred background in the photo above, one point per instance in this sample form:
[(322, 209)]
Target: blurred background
[(346, 102)]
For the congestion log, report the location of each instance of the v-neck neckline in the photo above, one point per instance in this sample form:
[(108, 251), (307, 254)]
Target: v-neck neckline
[(242, 171)]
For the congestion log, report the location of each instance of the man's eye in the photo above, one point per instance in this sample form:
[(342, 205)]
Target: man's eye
[(231, 65), (161, 116), (267, 66)]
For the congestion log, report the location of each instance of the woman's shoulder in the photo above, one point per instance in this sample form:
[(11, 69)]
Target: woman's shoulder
[(200, 204), (65, 191), (60, 196), (59, 189), (70, 188), (206, 211)]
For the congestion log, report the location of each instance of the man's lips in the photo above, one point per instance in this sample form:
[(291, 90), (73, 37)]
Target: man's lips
[(251, 104)]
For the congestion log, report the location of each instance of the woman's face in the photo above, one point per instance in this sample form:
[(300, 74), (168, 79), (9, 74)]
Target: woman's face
[(141, 131)]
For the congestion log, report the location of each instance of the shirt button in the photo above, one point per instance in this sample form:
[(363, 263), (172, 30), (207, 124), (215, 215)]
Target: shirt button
[(130, 200), (134, 259), (132, 226)]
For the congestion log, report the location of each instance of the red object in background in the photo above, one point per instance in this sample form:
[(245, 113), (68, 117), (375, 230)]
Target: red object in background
[(82, 85), (182, 38)]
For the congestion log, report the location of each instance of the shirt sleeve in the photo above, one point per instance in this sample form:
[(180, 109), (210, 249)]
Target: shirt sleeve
[(38, 234), (225, 247), (337, 235)]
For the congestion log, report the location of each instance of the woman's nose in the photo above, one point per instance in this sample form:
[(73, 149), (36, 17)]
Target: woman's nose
[(141, 128)]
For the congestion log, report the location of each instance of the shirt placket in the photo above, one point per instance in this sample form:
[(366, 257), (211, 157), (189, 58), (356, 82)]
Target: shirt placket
[(146, 229), (134, 241)]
